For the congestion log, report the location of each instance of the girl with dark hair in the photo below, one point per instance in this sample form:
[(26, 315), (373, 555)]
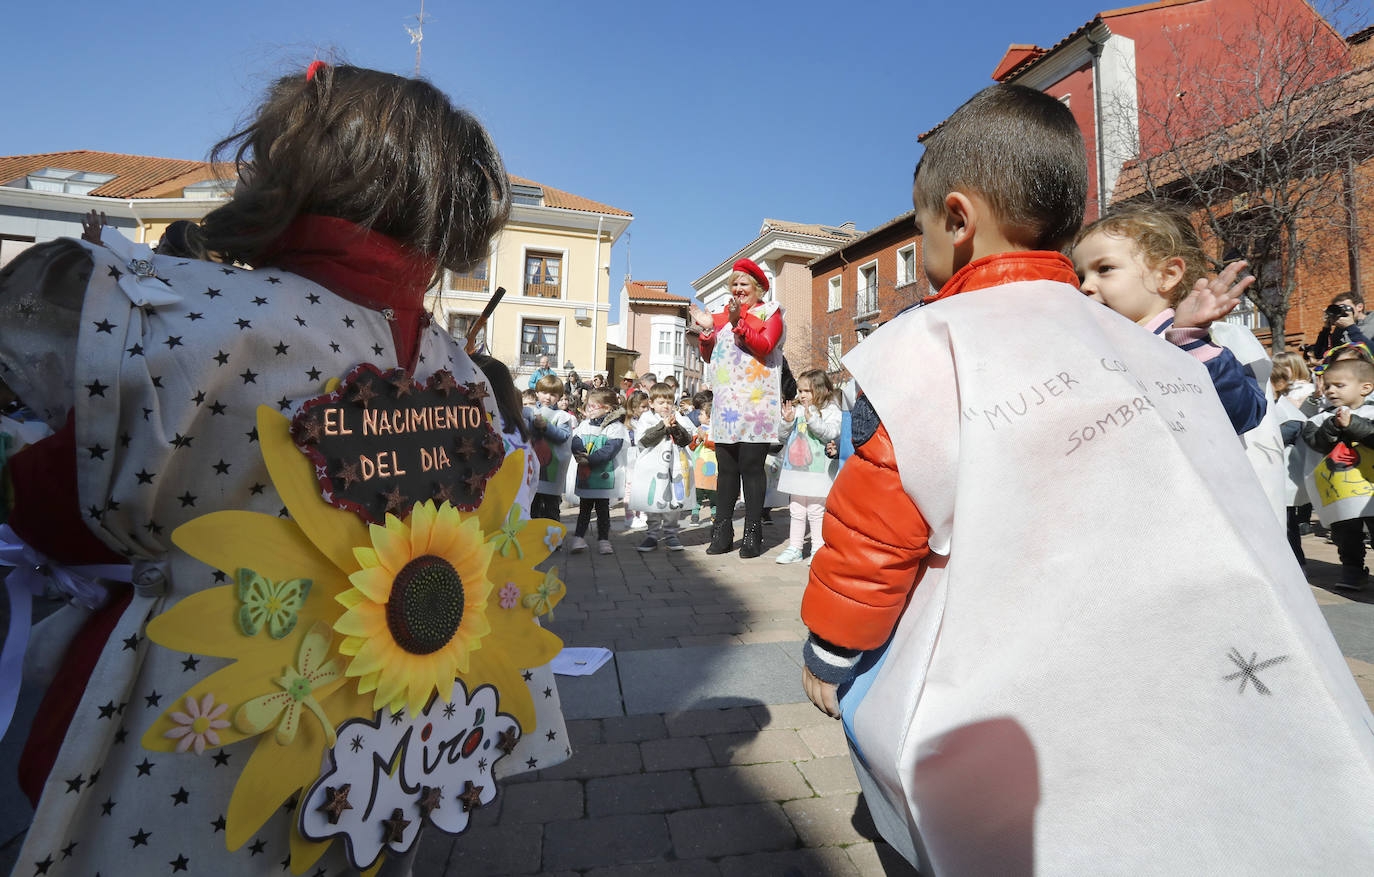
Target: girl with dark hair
[(169, 384)]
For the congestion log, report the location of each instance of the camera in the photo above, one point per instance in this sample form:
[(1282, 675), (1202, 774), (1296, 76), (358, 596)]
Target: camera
[(1335, 312)]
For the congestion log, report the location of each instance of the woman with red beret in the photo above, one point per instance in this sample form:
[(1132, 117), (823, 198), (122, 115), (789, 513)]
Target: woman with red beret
[(743, 344)]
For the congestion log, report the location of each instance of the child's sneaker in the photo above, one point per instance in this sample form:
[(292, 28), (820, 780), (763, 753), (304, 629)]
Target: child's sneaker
[(576, 544), (696, 516), (649, 544), (604, 546), (640, 522), (672, 543), (789, 555)]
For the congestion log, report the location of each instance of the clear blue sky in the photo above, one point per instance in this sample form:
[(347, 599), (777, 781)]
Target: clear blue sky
[(700, 118)]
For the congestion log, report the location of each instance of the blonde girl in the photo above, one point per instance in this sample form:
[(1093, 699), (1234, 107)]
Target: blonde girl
[(807, 473), (1146, 263)]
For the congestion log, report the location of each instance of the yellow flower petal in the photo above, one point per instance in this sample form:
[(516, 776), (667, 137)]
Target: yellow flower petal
[(362, 621), (515, 695), (366, 556), (275, 548), (374, 582), (393, 548), (332, 530), (371, 657), (421, 523), (501, 492)]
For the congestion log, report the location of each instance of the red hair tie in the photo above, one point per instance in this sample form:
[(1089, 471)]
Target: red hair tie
[(315, 67)]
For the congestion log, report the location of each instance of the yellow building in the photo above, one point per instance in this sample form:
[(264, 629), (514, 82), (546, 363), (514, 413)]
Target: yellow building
[(553, 259)]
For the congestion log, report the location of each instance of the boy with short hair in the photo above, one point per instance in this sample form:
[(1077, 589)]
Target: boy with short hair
[(1033, 676), (661, 485), (550, 429), (598, 447), (1343, 496)]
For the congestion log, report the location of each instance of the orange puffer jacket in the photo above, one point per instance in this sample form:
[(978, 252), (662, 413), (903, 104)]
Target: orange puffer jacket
[(870, 525)]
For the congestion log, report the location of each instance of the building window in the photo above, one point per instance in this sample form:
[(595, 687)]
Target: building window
[(868, 289), (458, 326), (472, 280), (677, 344), (209, 190), (543, 275), (12, 245), (906, 265), (833, 351), (665, 342), (538, 338), (56, 179), (836, 293)]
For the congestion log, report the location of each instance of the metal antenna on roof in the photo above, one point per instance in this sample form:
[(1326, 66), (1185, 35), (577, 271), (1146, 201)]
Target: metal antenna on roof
[(628, 275), (417, 35)]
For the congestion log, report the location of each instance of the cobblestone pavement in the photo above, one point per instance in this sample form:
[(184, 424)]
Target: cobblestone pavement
[(695, 750)]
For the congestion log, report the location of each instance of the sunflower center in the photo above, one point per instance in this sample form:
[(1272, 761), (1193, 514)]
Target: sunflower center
[(426, 605), (200, 725)]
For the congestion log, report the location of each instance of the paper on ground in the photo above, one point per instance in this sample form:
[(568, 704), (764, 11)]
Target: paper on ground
[(580, 661)]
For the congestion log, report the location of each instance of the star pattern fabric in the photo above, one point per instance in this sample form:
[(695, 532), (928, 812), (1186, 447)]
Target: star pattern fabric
[(165, 408)]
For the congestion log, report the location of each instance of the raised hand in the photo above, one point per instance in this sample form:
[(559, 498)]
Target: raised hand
[(90, 226), (1212, 298), (700, 317)]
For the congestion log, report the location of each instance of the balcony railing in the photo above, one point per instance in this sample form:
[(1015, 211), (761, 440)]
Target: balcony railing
[(543, 290), (469, 284)]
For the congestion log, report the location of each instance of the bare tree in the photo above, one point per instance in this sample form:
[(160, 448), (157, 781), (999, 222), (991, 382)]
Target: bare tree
[(1260, 131)]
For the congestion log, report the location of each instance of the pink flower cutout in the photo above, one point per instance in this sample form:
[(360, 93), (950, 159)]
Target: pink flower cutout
[(199, 724), (510, 596)]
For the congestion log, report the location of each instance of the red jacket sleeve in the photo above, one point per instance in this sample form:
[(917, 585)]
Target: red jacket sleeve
[(759, 337), (875, 543)]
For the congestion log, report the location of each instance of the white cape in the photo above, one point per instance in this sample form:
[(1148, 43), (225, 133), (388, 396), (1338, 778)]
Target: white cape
[(1112, 663)]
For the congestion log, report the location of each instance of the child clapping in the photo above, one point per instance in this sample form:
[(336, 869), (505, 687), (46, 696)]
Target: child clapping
[(1338, 487)]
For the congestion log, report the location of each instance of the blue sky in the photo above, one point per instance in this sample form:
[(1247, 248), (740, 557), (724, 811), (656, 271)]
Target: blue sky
[(700, 118)]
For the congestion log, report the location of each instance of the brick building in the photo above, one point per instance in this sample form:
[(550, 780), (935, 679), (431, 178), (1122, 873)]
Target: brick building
[(1124, 73), (1145, 79), (858, 286)]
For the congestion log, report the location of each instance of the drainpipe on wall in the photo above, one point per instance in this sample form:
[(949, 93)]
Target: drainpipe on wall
[(142, 228), (596, 293)]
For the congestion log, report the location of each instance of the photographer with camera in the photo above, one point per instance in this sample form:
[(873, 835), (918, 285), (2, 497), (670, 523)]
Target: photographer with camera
[(1346, 323)]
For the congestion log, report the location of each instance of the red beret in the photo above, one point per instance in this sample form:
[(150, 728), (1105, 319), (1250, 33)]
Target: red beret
[(748, 267)]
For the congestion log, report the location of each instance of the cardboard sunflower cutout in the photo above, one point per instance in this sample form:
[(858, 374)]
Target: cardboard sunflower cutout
[(332, 622)]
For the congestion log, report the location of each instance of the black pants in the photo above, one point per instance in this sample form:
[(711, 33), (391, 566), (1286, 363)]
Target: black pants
[(1297, 516), (545, 505), (1349, 538), (603, 517), (741, 463)]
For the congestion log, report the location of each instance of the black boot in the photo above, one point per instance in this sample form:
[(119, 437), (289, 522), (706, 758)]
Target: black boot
[(722, 536), (752, 543)]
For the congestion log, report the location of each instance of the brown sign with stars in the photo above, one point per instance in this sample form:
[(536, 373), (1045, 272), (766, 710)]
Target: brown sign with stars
[(382, 442)]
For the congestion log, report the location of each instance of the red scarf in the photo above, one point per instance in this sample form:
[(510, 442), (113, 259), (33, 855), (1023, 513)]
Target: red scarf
[(365, 267), (1003, 268)]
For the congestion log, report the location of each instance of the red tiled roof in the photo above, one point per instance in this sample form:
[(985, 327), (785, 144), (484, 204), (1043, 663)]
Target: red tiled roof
[(653, 291), (136, 176), (568, 201), (142, 176)]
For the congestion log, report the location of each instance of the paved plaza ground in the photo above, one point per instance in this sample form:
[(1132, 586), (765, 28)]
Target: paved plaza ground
[(695, 749)]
